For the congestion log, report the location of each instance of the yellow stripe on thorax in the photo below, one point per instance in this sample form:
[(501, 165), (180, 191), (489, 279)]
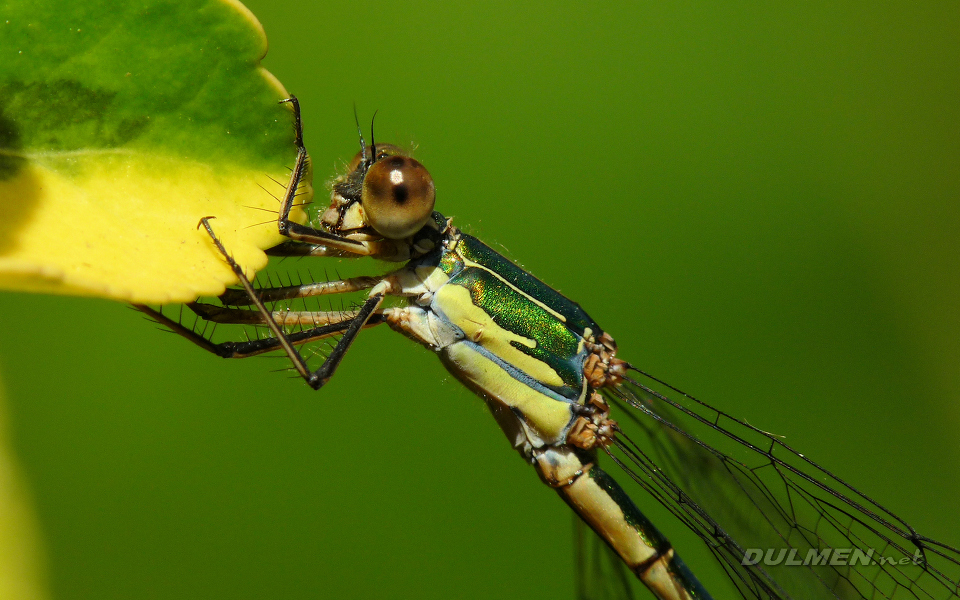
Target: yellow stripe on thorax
[(548, 417), (479, 327)]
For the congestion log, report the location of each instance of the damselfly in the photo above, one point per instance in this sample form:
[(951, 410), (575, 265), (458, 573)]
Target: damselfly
[(779, 524)]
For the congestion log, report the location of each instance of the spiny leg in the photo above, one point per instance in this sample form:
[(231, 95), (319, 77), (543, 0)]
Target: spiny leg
[(296, 231), (292, 248), (235, 297), (316, 379), (317, 321), (255, 347), (285, 318)]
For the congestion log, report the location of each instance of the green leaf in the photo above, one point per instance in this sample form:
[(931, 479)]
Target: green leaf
[(121, 125)]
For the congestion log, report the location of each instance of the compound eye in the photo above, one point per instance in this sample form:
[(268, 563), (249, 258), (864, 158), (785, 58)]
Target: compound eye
[(398, 196)]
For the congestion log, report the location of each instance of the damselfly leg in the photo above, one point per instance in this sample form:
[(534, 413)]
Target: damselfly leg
[(336, 323), (348, 327)]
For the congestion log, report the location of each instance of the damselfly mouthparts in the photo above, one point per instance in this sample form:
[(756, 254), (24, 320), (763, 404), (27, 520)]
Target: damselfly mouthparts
[(779, 524)]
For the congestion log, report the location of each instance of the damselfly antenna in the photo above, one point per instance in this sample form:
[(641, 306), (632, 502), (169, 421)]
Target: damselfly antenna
[(373, 142), (363, 145)]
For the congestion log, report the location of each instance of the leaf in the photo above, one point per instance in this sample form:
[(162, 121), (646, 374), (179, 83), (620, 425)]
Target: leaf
[(121, 125)]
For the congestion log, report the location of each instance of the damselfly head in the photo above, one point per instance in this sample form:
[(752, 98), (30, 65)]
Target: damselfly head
[(386, 192), (371, 154), (398, 196)]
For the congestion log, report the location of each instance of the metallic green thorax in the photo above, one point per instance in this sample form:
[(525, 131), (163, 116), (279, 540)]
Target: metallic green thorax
[(538, 312), (505, 334)]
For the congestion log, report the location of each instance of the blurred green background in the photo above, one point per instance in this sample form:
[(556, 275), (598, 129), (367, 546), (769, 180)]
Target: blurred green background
[(761, 204)]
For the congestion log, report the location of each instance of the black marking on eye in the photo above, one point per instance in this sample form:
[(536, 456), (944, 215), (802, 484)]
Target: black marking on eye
[(401, 193)]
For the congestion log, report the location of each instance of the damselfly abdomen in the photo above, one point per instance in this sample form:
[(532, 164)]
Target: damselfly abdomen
[(780, 525)]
